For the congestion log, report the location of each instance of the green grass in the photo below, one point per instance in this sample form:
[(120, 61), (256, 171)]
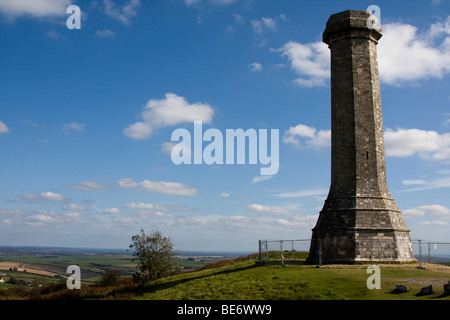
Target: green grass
[(245, 281), (23, 275), (91, 267), (241, 279)]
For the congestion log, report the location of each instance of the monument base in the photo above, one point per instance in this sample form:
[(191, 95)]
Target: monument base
[(360, 245)]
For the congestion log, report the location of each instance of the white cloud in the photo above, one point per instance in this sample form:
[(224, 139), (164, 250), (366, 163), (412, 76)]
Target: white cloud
[(134, 205), (436, 214), (74, 126), (238, 18), (170, 111), (270, 210), (139, 130), (214, 2), (29, 196), (404, 55), (259, 26), (73, 206), (167, 147), (255, 66), (34, 8), (184, 150), (151, 206), (224, 2), (165, 187), (283, 17), (446, 122), (40, 219), (124, 14), (192, 2), (156, 214), (51, 196), (261, 178), (312, 138), (410, 213), (429, 145), (433, 184), (127, 183), (106, 33), (49, 217), (43, 196), (13, 212), (111, 210), (299, 221), (88, 186), (433, 222), (436, 210), (126, 221), (310, 61), (413, 182), (440, 28), (72, 216), (54, 35), (225, 194), (3, 128), (302, 193)]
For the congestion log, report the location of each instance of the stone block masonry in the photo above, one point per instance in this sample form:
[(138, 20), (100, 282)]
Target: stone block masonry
[(360, 221)]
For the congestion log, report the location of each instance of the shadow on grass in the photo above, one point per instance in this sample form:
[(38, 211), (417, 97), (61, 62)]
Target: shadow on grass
[(152, 288), (396, 291)]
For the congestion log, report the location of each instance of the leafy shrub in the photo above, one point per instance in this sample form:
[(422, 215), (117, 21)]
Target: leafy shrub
[(110, 278)]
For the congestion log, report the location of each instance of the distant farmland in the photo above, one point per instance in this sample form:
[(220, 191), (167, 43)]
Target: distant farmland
[(50, 264)]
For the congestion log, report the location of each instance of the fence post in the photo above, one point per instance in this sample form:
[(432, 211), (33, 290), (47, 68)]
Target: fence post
[(429, 251), (292, 245), (260, 252), (420, 252)]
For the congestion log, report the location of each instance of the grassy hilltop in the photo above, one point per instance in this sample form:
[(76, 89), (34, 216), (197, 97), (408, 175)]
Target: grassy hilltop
[(240, 279)]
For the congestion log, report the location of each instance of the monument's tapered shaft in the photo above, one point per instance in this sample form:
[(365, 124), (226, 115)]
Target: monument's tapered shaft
[(359, 221)]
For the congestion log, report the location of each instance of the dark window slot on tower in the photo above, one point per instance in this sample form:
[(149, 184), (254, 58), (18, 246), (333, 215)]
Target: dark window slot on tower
[(367, 155)]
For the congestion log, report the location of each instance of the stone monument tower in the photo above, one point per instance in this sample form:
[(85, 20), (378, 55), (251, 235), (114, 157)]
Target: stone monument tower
[(359, 221)]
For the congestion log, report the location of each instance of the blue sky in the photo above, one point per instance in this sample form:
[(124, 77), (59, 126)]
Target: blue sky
[(86, 118)]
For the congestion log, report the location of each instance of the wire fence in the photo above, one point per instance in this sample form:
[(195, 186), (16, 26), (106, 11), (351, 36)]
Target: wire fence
[(431, 251), (285, 252)]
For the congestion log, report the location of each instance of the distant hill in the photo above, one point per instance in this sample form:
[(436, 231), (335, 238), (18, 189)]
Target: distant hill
[(33, 250)]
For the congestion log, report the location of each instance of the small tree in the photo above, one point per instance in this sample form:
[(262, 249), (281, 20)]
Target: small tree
[(155, 256)]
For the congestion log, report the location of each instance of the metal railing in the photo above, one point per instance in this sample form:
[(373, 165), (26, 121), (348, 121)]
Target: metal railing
[(294, 251), (437, 251), (283, 250)]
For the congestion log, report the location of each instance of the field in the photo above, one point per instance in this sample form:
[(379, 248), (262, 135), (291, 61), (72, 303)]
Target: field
[(29, 264), (50, 264)]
